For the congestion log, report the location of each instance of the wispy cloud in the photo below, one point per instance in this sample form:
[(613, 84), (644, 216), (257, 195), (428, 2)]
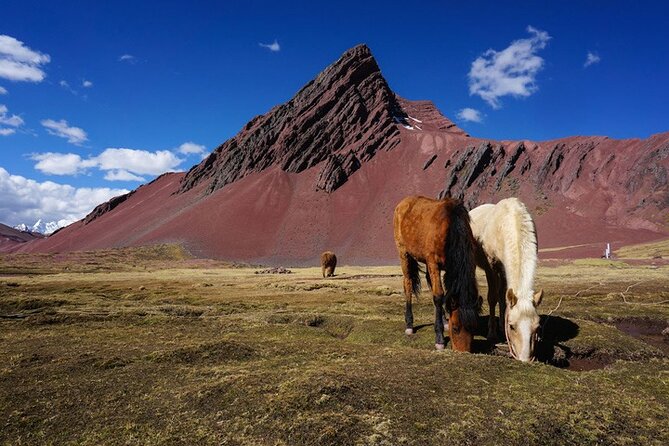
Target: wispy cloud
[(122, 175), (129, 58), (470, 115), (87, 84), (20, 63), (274, 46), (65, 85), (119, 164), (511, 71), (23, 199), (591, 58), (8, 123), (3, 90), (62, 129)]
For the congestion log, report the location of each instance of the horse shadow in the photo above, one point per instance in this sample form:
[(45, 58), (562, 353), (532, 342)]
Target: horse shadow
[(553, 331)]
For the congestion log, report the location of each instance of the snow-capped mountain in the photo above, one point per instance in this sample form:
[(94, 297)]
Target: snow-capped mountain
[(41, 227)]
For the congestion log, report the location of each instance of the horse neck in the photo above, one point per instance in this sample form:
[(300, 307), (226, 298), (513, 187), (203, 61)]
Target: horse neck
[(521, 256)]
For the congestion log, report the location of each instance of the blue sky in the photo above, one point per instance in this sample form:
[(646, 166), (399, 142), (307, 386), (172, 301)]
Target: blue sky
[(97, 98)]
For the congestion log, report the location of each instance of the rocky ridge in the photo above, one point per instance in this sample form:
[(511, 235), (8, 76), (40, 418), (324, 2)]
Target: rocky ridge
[(344, 117)]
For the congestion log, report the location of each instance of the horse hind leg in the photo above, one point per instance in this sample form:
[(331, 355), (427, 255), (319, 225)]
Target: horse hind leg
[(410, 274)]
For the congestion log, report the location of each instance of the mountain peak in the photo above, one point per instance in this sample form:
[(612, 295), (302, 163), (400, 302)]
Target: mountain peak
[(343, 116)]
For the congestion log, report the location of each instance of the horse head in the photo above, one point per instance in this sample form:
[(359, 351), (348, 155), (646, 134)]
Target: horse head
[(461, 339), (521, 324)]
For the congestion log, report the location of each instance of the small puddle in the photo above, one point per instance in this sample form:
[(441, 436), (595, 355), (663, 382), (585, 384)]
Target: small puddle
[(646, 330)]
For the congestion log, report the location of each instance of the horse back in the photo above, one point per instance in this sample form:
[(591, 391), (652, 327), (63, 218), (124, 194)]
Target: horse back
[(420, 227)]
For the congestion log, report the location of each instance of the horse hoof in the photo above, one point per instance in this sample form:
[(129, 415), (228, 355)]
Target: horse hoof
[(439, 346), (408, 331)]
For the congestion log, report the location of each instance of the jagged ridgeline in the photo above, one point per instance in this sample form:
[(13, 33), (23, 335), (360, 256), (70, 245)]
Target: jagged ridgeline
[(344, 116)]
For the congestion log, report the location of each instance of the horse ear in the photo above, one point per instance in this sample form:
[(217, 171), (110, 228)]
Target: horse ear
[(538, 296), (511, 298)]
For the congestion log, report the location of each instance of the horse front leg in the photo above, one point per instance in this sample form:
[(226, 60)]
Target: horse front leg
[(439, 299), (501, 298), (493, 284)]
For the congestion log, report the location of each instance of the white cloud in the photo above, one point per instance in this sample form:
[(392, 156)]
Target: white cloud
[(190, 147), (122, 175), (274, 46), (127, 58), (119, 164), (23, 199), (3, 90), (74, 135), (140, 162), (12, 121), (87, 84), (470, 114), (61, 163), (591, 58), (511, 71), (20, 63), (8, 120)]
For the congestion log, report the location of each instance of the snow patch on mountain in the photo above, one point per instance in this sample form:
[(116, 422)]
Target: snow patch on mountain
[(41, 227)]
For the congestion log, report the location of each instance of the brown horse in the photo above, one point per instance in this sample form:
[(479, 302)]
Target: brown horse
[(328, 263), (437, 233)]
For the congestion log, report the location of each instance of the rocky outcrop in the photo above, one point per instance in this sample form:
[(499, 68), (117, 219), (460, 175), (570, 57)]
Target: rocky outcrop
[(105, 207), (509, 165), (347, 109), (336, 171), (474, 166)]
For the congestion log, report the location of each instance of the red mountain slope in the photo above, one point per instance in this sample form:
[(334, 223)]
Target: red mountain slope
[(325, 170)]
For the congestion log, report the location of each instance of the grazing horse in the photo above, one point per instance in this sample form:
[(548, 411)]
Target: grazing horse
[(437, 233), (506, 249), (328, 263)]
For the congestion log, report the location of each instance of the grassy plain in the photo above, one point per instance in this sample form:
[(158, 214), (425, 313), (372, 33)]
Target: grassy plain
[(146, 346)]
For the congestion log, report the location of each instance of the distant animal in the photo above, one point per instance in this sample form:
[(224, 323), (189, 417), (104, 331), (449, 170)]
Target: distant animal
[(506, 249), (328, 263), (437, 233)]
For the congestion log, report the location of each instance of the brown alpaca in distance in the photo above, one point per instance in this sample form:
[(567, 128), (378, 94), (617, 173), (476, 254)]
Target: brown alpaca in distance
[(437, 233), (328, 263)]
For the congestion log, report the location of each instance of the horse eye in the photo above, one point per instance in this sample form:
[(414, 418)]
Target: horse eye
[(512, 327), (456, 329)]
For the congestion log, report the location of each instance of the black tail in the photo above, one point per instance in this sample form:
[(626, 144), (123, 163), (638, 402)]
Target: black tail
[(460, 277), (427, 275)]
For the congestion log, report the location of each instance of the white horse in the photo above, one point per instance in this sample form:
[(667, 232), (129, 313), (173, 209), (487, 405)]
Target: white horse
[(506, 250)]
